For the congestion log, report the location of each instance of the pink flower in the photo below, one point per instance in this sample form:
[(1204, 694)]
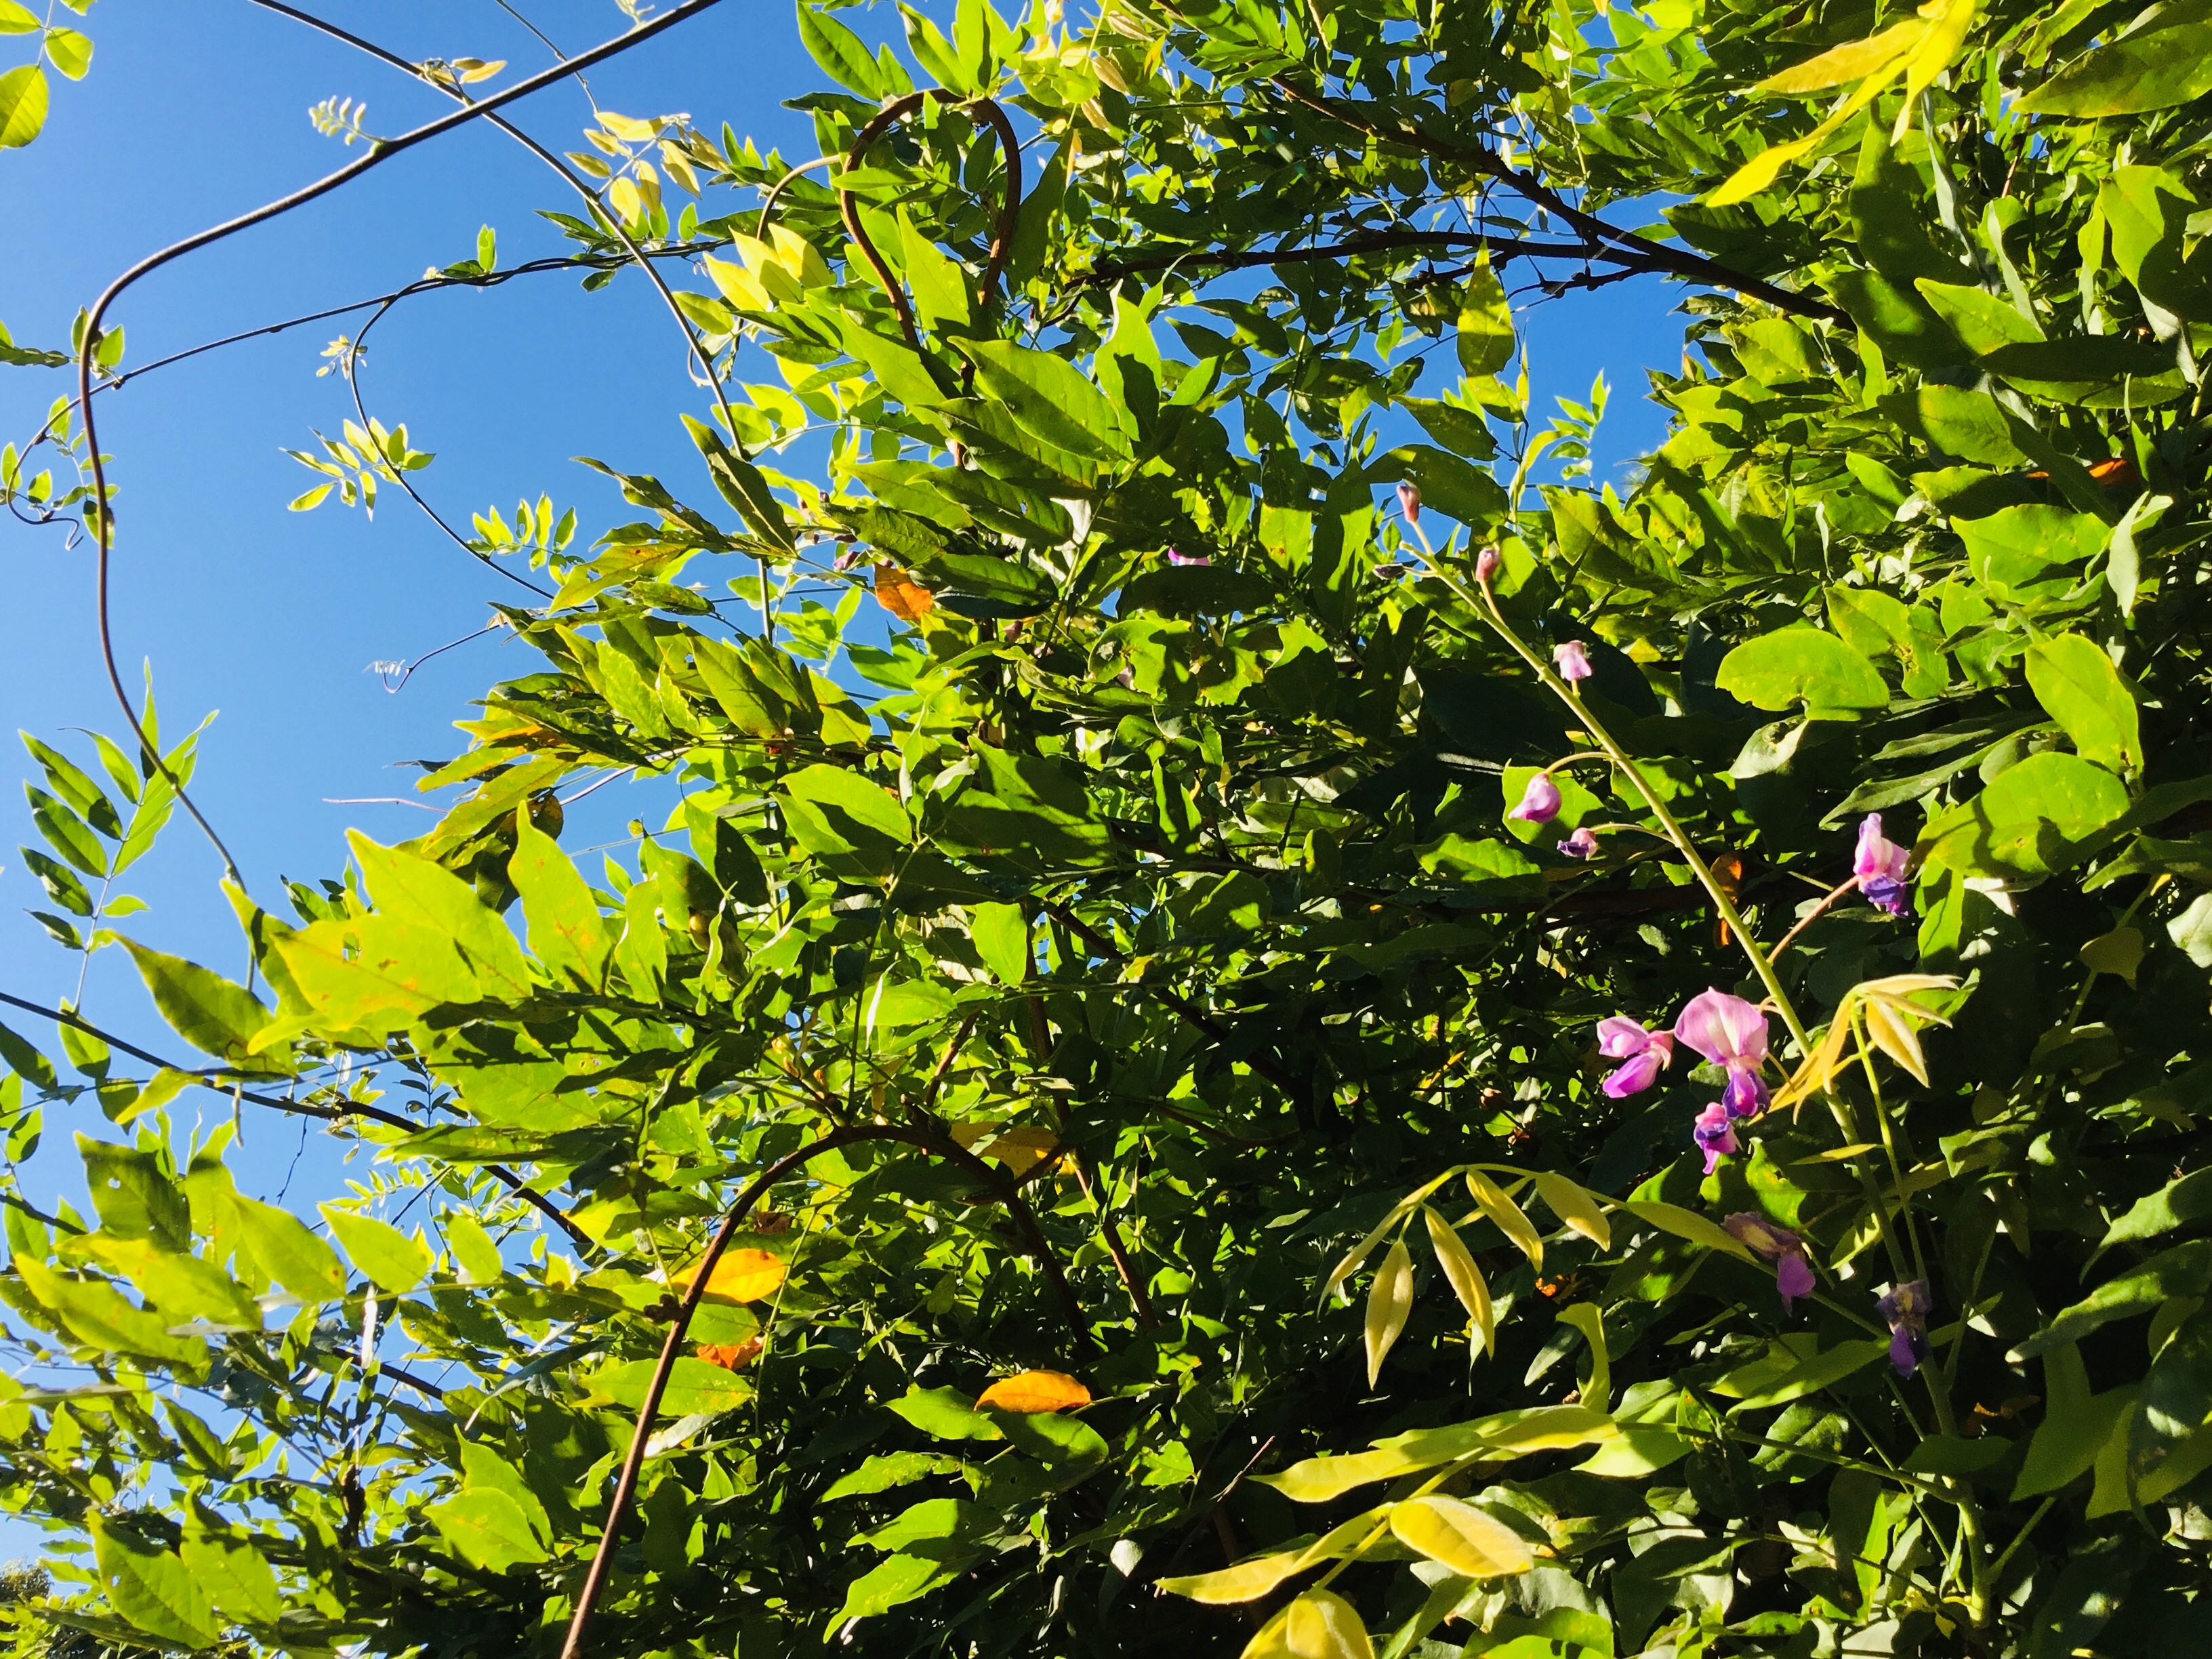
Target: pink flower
[(1573, 661), (1581, 844), (1648, 1053), (1793, 1274), (1409, 502), (1715, 1134), (1174, 557), (1730, 1032), (1485, 565), (1880, 866), (1540, 801)]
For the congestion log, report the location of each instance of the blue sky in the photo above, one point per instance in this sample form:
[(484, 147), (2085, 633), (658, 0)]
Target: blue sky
[(194, 113)]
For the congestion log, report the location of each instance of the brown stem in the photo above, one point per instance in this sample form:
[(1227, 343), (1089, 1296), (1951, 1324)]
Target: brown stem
[(1148, 1316), (595, 1579), (1811, 916), (1002, 239), (1657, 255)]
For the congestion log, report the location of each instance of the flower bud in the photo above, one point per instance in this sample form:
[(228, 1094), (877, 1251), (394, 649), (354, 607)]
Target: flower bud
[(1409, 502), (1485, 565), (1573, 661), (1540, 802)]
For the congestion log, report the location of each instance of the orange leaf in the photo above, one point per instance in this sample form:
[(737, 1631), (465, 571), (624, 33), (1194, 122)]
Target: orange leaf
[(1021, 1146), (1034, 1391), (900, 594), (730, 1356), (741, 1276)]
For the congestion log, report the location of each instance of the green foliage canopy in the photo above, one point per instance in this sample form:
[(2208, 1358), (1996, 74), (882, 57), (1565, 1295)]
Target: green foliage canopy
[(1228, 867)]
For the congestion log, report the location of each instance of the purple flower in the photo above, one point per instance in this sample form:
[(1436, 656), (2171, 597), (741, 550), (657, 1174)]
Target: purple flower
[(1485, 565), (1581, 844), (1793, 1273), (1747, 1094), (1573, 661), (1905, 1308), (1730, 1032), (1880, 866), (1409, 502), (1648, 1053), (1540, 801), (1174, 557), (1715, 1134)]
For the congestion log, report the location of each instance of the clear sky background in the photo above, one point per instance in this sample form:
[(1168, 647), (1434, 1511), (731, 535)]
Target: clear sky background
[(193, 113)]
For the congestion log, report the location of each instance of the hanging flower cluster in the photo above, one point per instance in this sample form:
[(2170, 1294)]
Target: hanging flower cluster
[(1725, 1030), (1793, 1272)]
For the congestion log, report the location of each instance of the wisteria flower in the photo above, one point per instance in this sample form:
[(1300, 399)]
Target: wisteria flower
[(1647, 1054), (1730, 1032), (1574, 662), (1485, 565), (1540, 801), (1905, 1308), (1714, 1134), (1793, 1273), (1409, 502), (1581, 844), (1880, 867)]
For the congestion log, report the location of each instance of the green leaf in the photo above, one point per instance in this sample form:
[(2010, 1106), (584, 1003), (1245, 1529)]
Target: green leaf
[(2183, 1271), (1462, 431), (1001, 937), (853, 796), (154, 1589), (695, 1388), (98, 1315), (2075, 1426), (16, 19), (839, 52), (1793, 1366), (270, 1244), (68, 51), (946, 1415), (2026, 554), (215, 1016), (888, 1469), (1687, 1224), (1977, 317), (741, 485), (1050, 397), (891, 1581), (133, 1194), (1485, 323), (2077, 685), (566, 932), (22, 106), (2156, 69), (182, 1287), (488, 1529), (2028, 822), (1778, 671), (390, 1260), (235, 1576), (418, 891)]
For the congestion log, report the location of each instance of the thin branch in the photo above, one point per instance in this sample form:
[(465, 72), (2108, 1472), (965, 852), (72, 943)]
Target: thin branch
[(1657, 255), (1110, 1231), (1811, 916), (1381, 241), (380, 152), (595, 1579), (222, 1077)]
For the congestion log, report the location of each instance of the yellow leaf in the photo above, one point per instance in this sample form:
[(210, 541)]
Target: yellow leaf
[(628, 128), (1465, 1278), (1247, 1580), (1686, 1223), (1389, 1299), (1399, 1211), (1577, 1208), (1317, 1626), (1020, 1146), (1818, 1073), (1896, 1038), (1034, 1391), (900, 594), (1764, 168), (741, 1276), (1461, 1536), (738, 285), (1585, 1316), (1949, 21), (1852, 61), (1516, 1227)]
